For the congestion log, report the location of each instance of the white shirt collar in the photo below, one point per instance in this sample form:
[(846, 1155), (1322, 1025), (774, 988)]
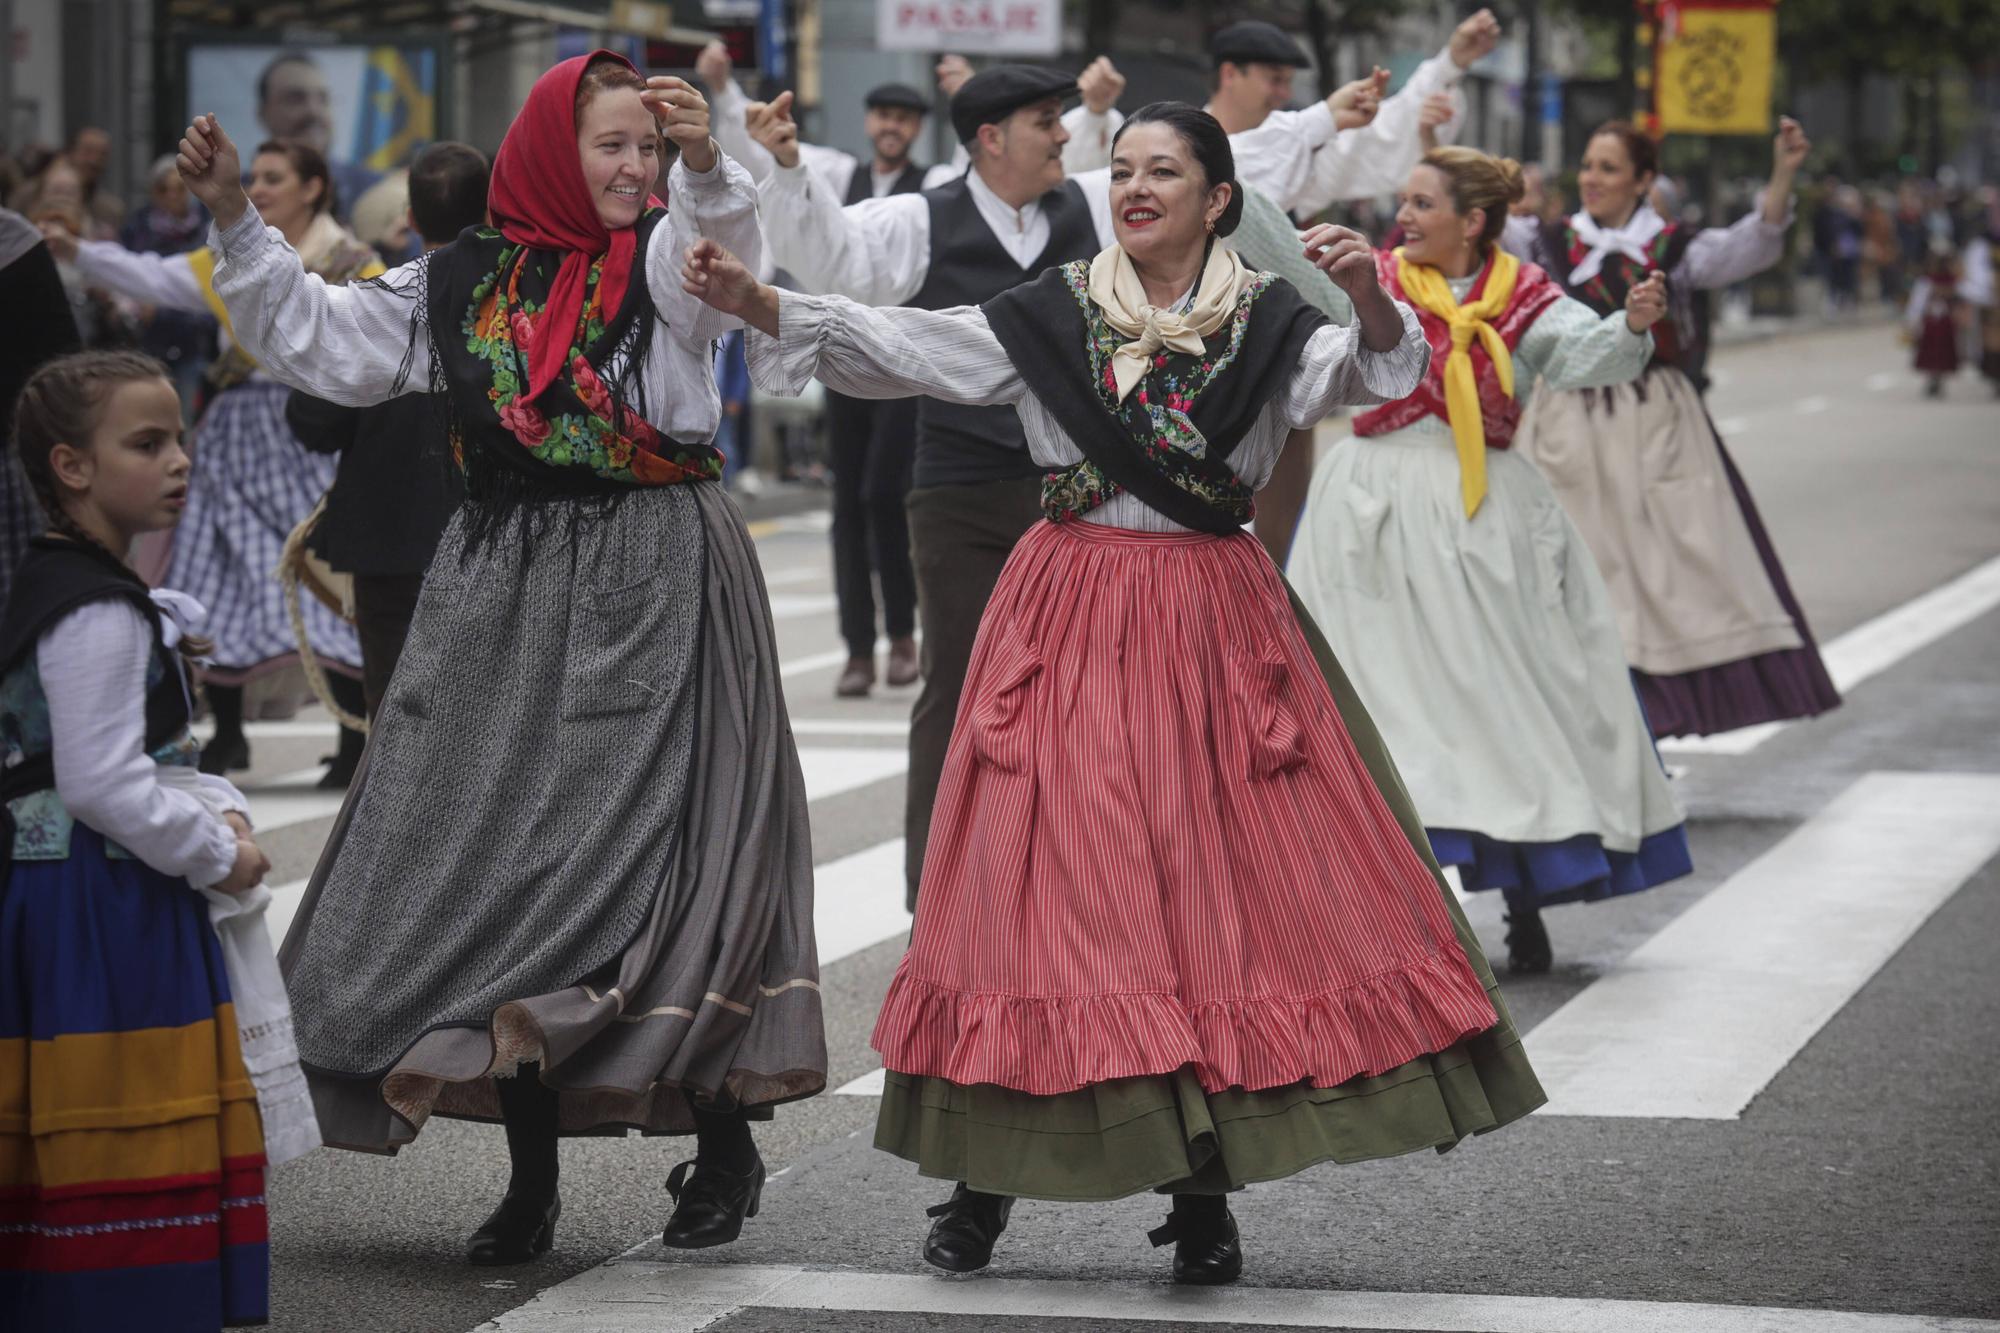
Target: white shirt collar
[(1006, 219)]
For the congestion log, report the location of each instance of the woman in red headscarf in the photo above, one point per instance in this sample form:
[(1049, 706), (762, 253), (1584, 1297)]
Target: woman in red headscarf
[(572, 886)]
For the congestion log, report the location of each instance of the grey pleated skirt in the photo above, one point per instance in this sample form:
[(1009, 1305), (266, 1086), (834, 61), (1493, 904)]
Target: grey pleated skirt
[(579, 838)]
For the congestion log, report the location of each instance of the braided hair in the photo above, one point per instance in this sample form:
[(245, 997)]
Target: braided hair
[(62, 403)]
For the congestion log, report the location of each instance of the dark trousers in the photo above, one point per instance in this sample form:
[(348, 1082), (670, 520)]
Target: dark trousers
[(872, 444), (961, 537), (384, 605)]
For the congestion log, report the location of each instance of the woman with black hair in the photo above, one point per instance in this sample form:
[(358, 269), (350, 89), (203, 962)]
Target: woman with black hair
[(1178, 927)]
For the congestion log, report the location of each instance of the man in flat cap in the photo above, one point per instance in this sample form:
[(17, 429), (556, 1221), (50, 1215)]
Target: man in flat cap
[(975, 489)]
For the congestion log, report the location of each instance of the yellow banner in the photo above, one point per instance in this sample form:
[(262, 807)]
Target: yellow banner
[(1715, 69)]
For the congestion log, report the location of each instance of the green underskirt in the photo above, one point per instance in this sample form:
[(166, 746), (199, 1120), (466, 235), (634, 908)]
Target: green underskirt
[(1163, 1132)]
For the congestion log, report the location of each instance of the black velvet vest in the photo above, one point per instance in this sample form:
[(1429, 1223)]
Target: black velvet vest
[(959, 445)]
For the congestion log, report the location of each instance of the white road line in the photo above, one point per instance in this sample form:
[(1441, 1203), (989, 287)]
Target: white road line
[(1732, 425), (640, 1295), (780, 578), (1883, 380), (1812, 405), (1699, 1018), (836, 726), (832, 770), (792, 605), (858, 901), (1870, 649), (868, 1085)]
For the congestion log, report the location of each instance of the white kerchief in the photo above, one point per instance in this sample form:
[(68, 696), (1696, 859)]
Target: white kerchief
[(1629, 240), (1117, 292)]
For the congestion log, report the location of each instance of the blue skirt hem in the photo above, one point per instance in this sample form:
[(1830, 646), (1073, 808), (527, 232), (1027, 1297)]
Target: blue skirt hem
[(1575, 870)]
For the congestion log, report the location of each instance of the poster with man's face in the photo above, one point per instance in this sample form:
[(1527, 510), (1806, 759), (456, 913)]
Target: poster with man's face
[(367, 106)]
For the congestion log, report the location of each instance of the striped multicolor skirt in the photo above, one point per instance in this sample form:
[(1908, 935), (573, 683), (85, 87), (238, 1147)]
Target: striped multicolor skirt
[(1166, 893), (131, 1153)]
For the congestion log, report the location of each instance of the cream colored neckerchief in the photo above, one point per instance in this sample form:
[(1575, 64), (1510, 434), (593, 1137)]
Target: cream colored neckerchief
[(1116, 291)]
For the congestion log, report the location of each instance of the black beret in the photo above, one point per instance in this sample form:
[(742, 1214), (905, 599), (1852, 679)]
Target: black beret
[(992, 95), (1254, 43), (897, 94)]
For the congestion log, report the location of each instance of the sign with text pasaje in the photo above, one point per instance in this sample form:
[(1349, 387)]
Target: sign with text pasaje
[(974, 27)]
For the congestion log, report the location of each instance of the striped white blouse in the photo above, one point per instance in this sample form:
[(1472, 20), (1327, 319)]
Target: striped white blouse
[(897, 352)]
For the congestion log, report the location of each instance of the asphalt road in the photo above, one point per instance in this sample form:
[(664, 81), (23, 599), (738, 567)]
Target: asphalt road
[(1863, 1176)]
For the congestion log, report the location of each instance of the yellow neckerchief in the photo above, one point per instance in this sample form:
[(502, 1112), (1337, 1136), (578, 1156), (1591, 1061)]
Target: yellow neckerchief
[(1428, 290), (1121, 299)]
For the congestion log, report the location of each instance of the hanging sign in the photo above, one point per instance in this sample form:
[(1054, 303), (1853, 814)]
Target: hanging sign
[(1715, 66), (998, 27)]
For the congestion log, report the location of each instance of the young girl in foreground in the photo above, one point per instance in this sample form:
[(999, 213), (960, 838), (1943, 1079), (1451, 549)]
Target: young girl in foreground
[(131, 1152)]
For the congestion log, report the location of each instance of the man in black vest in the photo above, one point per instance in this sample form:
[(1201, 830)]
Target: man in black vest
[(1011, 215)]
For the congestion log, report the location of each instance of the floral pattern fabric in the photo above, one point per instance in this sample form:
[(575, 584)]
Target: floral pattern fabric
[(501, 327), (1156, 413)]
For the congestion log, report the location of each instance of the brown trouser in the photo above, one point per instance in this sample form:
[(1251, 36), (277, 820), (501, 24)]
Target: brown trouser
[(960, 538), (1283, 498)]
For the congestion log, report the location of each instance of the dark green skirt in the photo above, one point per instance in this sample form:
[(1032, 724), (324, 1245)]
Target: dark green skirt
[(1164, 1132)]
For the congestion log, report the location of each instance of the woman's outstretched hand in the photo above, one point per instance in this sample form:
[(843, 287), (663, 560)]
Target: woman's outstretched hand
[(213, 170), (721, 280), (683, 115), (1348, 258), (1646, 304)]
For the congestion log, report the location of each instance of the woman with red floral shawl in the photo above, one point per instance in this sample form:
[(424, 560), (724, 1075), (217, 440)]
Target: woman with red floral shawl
[(572, 886)]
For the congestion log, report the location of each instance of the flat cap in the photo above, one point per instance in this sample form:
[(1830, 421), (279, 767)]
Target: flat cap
[(896, 94), (1252, 42), (994, 94)]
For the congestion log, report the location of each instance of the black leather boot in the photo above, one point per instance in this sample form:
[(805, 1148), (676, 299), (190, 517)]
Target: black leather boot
[(1528, 947), (710, 1204), (521, 1229), (1208, 1250), (968, 1223)]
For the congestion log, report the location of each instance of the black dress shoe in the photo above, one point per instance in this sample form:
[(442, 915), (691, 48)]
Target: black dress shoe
[(710, 1205), (225, 754), (520, 1229), (1528, 948), (1206, 1253), (968, 1223)]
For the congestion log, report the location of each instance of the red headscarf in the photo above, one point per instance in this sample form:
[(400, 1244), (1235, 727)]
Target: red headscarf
[(539, 199)]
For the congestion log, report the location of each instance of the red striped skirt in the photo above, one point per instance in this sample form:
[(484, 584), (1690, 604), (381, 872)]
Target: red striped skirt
[(1155, 846)]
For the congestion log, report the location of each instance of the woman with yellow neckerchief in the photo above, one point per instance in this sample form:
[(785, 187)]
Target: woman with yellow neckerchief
[(253, 482), (1464, 604)]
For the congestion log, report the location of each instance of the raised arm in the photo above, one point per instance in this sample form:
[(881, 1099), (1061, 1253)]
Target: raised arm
[(877, 252), (731, 107), (345, 344), (865, 351), (1571, 347), (1092, 124), (1375, 159), (719, 204), (1725, 255), (167, 281)]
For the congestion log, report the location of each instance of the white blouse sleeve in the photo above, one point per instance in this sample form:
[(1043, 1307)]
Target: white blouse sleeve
[(877, 252), (93, 669), (344, 344), (167, 281), (1276, 157), (1721, 256), (1571, 347), (1338, 370), (883, 352), (720, 205), (1375, 159), (1090, 136)]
